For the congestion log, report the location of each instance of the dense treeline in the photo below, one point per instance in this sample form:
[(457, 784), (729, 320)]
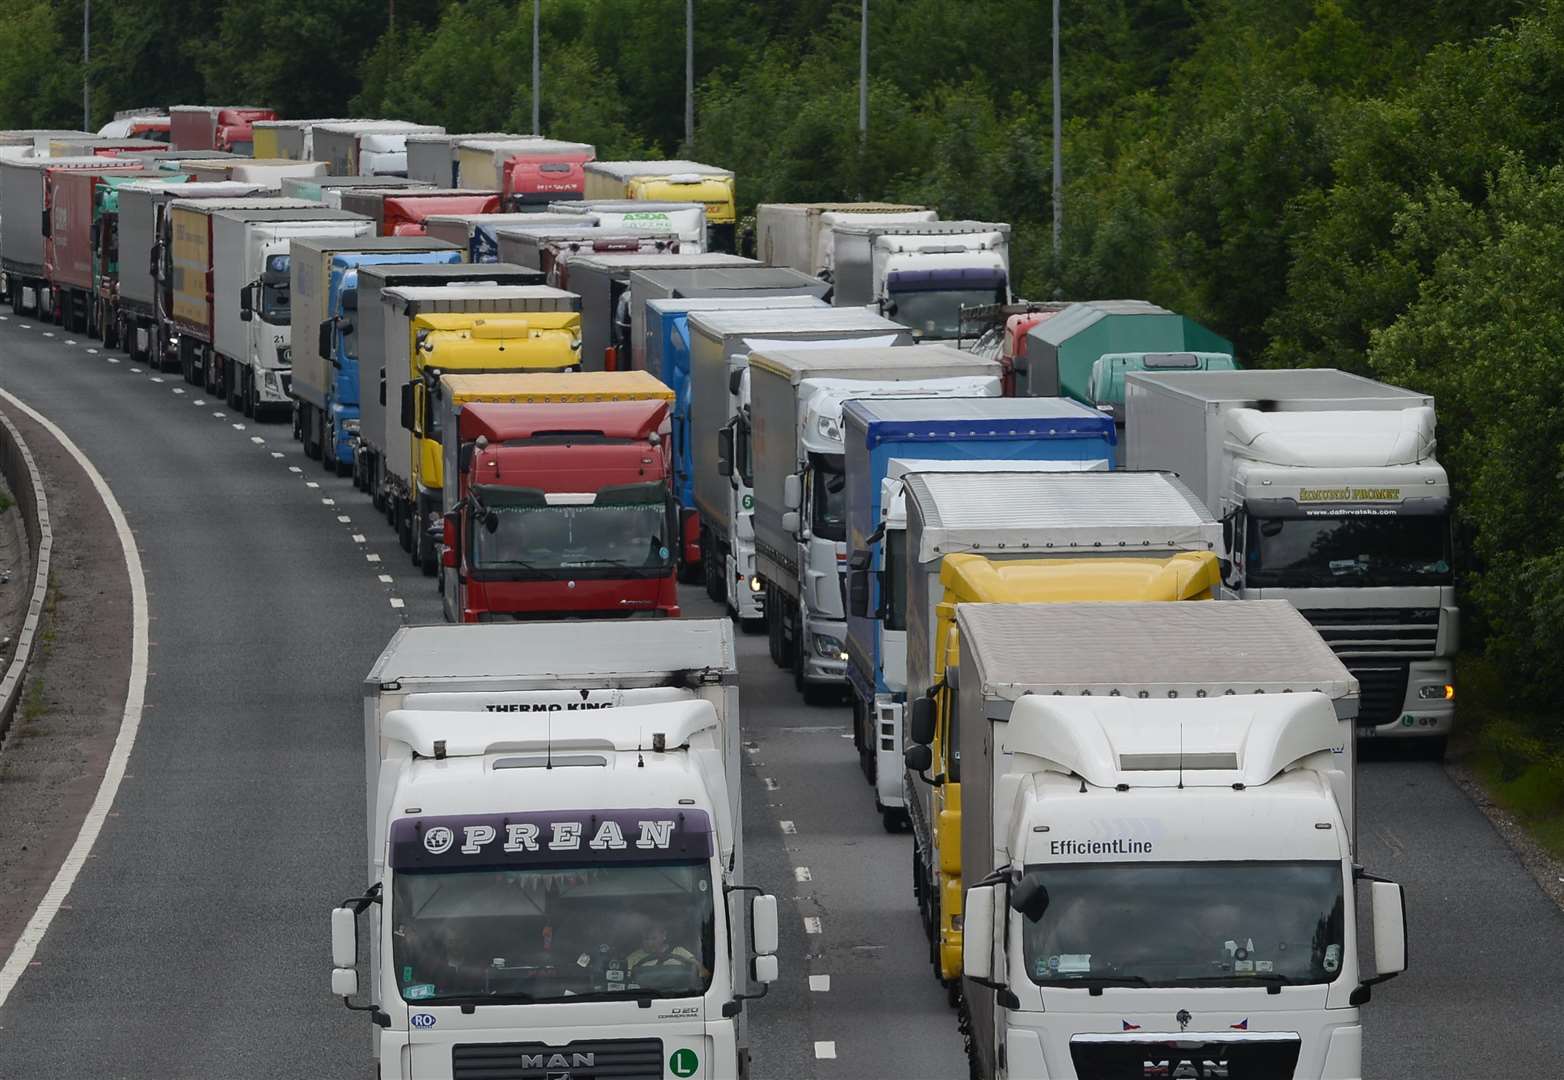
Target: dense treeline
[(1368, 184)]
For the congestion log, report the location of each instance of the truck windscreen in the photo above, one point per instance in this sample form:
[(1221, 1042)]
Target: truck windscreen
[(499, 936), (1184, 924), (628, 530), (936, 314), (1357, 550)]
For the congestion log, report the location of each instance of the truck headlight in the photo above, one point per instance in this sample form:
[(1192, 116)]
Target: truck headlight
[(828, 647), (754, 584), (830, 428), (1436, 692)]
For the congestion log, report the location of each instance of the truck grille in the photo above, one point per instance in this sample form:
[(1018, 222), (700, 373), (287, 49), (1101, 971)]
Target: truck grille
[(1377, 632), (1257, 1060), (619, 1059), (1382, 692)]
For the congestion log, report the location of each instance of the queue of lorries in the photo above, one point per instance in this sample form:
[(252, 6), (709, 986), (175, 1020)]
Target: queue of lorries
[(1133, 821)]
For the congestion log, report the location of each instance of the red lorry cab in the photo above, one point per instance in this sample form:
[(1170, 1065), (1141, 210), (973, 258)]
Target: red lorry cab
[(565, 510), (229, 128), (405, 215), (544, 178)]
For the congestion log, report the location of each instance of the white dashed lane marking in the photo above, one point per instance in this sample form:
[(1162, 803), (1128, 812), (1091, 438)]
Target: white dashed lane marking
[(396, 602), (385, 579), (788, 827), (358, 538), (771, 785), (372, 557), (825, 1051), (811, 924), (801, 873), (820, 984)]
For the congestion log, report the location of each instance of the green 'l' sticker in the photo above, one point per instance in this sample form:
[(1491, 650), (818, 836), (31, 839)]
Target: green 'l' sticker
[(684, 1063)]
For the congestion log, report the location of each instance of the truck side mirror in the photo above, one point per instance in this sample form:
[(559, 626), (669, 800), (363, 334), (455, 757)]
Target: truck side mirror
[(382, 388), (858, 593), (1030, 898), (977, 934), (344, 937), (1390, 929), (407, 406), (247, 302), (735, 380), (792, 492), (763, 913), (323, 340), (920, 721), (918, 759), (44, 227), (725, 452), (790, 522), (766, 970)]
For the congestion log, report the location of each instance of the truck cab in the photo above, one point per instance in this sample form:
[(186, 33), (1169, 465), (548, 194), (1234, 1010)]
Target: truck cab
[(922, 274), (1159, 840), (1333, 499), (564, 509), (1105, 386), (555, 865)]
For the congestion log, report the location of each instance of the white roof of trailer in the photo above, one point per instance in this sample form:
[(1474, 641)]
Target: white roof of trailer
[(1048, 512), (1179, 650), (563, 650)]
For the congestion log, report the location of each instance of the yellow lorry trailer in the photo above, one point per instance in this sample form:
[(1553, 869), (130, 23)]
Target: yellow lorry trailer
[(1019, 537)]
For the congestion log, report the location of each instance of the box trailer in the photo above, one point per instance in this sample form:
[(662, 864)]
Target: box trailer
[(367, 147), (800, 235), (528, 173), (401, 212), (479, 233), (671, 181)]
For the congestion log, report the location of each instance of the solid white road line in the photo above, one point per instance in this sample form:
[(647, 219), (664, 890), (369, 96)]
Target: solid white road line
[(130, 723)]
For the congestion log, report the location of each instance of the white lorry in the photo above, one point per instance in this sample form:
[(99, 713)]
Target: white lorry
[(252, 307), (802, 235), (1158, 839), (800, 498), (922, 273), (1332, 498), (555, 855), (686, 219), (366, 147), (718, 430)]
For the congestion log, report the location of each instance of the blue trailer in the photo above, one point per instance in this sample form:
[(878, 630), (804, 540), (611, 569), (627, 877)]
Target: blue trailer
[(668, 358), (887, 438), (342, 392)]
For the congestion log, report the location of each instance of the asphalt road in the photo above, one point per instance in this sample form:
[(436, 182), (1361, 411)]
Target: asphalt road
[(194, 943)]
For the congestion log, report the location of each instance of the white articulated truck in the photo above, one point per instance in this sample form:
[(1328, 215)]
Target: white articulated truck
[(800, 482), (1333, 499), (802, 235), (718, 427), (1158, 841), (922, 273), (555, 855), (686, 219)]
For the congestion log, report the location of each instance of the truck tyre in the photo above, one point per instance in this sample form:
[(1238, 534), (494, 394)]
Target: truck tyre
[(774, 635), (404, 534), (894, 820), (712, 563), (248, 393), (428, 558)]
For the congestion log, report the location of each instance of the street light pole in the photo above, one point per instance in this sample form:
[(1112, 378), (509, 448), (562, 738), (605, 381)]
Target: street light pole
[(537, 66), (86, 55), (689, 75), (1058, 157), (863, 74)]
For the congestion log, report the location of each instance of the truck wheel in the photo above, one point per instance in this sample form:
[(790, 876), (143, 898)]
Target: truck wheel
[(427, 559), (404, 534), (345, 468), (774, 635), (249, 395), (894, 820), (713, 562)]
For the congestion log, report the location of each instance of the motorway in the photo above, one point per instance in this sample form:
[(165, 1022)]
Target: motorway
[(194, 943)]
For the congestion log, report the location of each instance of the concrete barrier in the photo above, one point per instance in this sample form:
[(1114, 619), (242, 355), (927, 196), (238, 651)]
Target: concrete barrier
[(26, 484)]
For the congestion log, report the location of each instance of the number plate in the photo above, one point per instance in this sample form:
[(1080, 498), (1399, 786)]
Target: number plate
[(1367, 732)]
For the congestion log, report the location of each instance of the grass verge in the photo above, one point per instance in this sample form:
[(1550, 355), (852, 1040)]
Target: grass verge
[(1522, 771)]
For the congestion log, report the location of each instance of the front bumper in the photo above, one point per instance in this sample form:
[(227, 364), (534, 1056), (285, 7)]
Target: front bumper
[(823, 668), (1427, 706)]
